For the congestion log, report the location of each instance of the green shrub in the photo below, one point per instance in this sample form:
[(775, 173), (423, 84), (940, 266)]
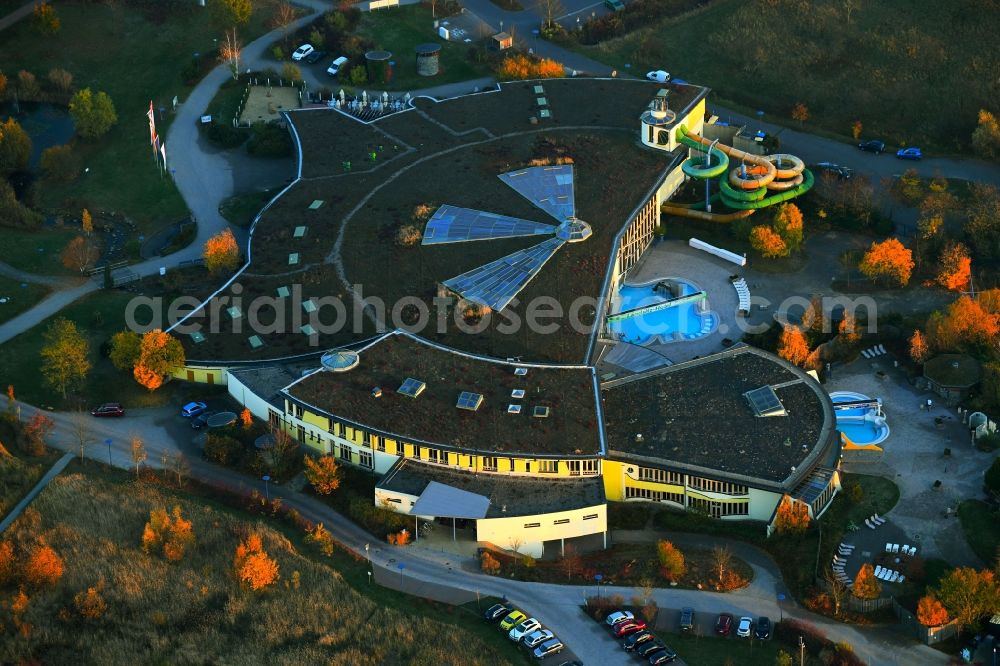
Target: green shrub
[(223, 135), (278, 52), (988, 443), (223, 449), (375, 519), (269, 140)]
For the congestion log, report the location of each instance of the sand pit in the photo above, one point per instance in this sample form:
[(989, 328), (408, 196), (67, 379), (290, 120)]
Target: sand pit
[(266, 104)]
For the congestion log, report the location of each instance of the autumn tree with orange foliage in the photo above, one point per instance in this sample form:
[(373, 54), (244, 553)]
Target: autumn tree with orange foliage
[(521, 66), (954, 267), (90, 604), (246, 418), (800, 112), (672, 565), (920, 351), (489, 564), (160, 354), (963, 324), (221, 253), (847, 330), (866, 586), (79, 254), (44, 567), (788, 225), (766, 241), (889, 260), (793, 346), (7, 562), (173, 534), (931, 612), (253, 566), (400, 538), (792, 517), (323, 473)]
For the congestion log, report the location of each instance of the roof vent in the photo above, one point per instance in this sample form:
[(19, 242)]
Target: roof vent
[(412, 387), (517, 394), (377, 392), (520, 372), (540, 412), (765, 402), (513, 409), (469, 401)]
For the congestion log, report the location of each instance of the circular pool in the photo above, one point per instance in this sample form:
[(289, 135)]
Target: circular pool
[(686, 320), (861, 425)]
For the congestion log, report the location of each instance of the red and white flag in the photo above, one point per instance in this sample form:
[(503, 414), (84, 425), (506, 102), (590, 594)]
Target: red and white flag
[(152, 127), (163, 151)]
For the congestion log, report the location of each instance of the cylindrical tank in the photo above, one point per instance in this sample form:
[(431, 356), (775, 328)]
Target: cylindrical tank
[(379, 68), (428, 59)]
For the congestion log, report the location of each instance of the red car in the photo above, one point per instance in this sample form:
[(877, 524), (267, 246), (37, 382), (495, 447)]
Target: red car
[(108, 409), (724, 624), (623, 629)]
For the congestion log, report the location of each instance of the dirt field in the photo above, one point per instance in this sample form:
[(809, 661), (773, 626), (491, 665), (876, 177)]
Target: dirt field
[(265, 104)]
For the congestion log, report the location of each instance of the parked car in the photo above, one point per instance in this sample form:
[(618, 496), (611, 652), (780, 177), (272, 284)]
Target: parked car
[(618, 616), (763, 629), (746, 624), (623, 629), (200, 421), (551, 646), (615, 5), (193, 409), (512, 619), (652, 647), (872, 146), (496, 611), (637, 639), (724, 624), (909, 154), (687, 619), (108, 409), (658, 75), (835, 169), (336, 66), (314, 57), (664, 656), (302, 52), (537, 636), (525, 627)]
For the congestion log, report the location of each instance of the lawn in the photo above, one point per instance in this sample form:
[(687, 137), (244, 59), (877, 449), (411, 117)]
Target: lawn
[(19, 472), (981, 525), (399, 30), (712, 651), (134, 58), (19, 297), (36, 251), (875, 67), (194, 609)]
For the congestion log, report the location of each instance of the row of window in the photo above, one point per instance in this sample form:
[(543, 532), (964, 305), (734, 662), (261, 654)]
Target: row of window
[(561, 521), (713, 508), (661, 476), (695, 482), (653, 495)]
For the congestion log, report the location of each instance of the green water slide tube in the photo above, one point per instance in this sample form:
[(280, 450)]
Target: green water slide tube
[(798, 190), (730, 192), (718, 164)]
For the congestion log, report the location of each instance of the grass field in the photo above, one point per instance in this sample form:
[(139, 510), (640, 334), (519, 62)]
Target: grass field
[(19, 298), (195, 611), (18, 471), (118, 49), (982, 529), (892, 65), (36, 251), (712, 651), (399, 30)]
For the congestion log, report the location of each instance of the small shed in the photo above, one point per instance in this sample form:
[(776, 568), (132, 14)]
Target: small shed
[(501, 41), (951, 376), (428, 59)]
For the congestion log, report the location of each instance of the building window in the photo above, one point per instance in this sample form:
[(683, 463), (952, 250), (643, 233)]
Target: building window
[(444, 457), (661, 476), (653, 495), (527, 525), (400, 449), (416, 452), (366, 438), (345, 452), (584, 466), (718, 487), (341, 430), (380, 443), (489, 464), (365, 458), (301, 434), (590, 516), (560, 522), (297, 410), (717, 509), (547, 466), (511, 461), (432, 455), (273, 418)]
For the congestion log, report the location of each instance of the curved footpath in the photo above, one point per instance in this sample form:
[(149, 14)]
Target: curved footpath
[(441, 576)]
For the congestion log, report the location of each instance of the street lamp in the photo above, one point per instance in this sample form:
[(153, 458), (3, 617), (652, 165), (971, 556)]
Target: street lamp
[(781, 614), (802, 652), (368, 556), (369, 576), (266, 478), (108, 442), (598, 578), (400, 566)]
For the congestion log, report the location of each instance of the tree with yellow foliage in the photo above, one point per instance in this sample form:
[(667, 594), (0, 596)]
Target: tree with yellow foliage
[(793, 346), (766, 241), (323, 473), (889, 260), (866, 586), (221, 253), (160, 354), (791, 517)]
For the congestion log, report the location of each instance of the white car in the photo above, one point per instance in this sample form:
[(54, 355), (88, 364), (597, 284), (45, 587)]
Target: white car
[(619, 616), (743, 630), (536, 637), (336, 66), (659, 76), (526, 627), (302, 51)]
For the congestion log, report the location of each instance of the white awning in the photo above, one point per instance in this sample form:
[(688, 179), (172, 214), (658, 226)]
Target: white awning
[(443, 501)]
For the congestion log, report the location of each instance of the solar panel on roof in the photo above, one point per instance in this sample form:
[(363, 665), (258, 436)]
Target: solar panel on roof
[(513, 409), (497, 283), (517, 393), (765, 402), (469, 400), (452, 224), (520, 372), (548, 187), (412, 387)]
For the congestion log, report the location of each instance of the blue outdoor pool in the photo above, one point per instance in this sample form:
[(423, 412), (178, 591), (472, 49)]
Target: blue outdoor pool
[(680, 322), (861, 425)]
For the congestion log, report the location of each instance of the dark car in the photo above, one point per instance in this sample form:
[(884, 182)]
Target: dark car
[(872, 146), (833, 169), (200, 421), (495, 612), (664, 656), (724, 624), (687, 619), (623, 629), (652, 647), (763, 629), (636, 639), (108, 409), (315, 56)]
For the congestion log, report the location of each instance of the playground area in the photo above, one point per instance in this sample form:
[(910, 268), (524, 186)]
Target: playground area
[(265, 103)]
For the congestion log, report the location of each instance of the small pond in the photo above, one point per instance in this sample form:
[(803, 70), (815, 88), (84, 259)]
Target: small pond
[(47, 124)]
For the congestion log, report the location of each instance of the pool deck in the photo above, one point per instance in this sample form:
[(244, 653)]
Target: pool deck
[(676, 259)]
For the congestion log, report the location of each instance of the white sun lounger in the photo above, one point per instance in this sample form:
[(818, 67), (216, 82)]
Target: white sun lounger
[(895, 548), (878, 570), (895, 577), (888, 547), (864, 352), (913, 550), (878, 520), (881, 349), (847, 547), (902, 578), (868, 522)]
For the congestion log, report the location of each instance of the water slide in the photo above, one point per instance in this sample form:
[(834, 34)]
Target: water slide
[(757, 182)]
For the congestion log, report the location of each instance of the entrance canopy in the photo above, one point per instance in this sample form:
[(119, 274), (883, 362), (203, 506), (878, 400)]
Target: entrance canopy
[(443, 501)]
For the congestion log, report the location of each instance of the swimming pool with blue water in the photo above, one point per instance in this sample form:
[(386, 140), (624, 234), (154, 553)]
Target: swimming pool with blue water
[(680, 322)]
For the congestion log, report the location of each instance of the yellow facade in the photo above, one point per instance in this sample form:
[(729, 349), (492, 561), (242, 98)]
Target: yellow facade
[(200, 375)]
